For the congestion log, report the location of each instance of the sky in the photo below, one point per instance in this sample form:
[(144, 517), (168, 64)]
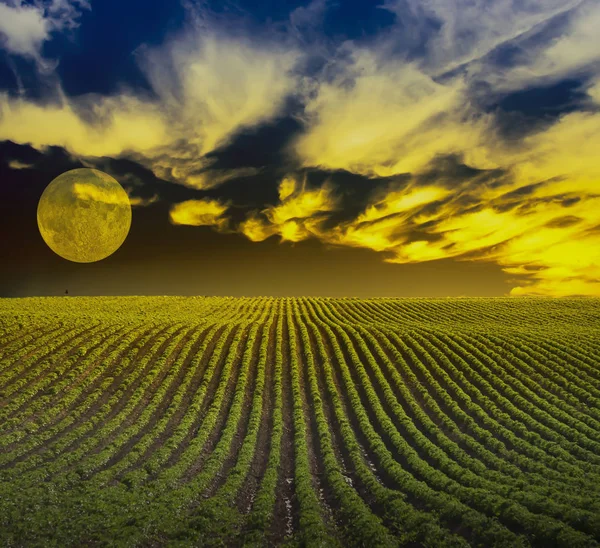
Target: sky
[(338, 148)]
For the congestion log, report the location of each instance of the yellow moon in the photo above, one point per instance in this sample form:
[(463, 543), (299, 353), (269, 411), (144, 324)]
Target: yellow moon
[(84, 215)]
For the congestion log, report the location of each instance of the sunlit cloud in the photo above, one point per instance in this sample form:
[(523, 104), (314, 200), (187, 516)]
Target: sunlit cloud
[(93, 192), (96, 193), (297, 216), (385, 116), (118, 125), (286, 188), (381, 116), (138, 201), (385, 224), (199, 213), (403, 201)]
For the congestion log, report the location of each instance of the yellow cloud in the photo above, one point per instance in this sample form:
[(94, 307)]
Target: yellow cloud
[(224, 84), (256, 229), (298, 215), (119, 125), (199, 213), (374, 116), (384, 225), (535, 240), (293, 231), (383, 235), (379, 117), (211, 87), (402, 201), (392, 118), (137, 201), (86, 191), (287, 187), (303, 204)]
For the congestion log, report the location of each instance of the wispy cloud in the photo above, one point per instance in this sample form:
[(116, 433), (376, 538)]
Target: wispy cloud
[(469, 30), (379, 116), (24, 27), (210, 87), (566, 48)]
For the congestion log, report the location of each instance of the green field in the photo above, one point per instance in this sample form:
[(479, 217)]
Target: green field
[(152, 421)]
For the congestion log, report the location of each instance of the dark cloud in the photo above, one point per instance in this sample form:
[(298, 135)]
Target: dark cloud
[(564, 222), (450, 171), (354, 192), (263, 146), (140, 181)]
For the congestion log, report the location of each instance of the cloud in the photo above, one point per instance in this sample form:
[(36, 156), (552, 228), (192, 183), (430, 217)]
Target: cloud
[(518, 221), (593, 92), (469, 30), (199, 213), (381, 117), (287, 187), (305, 20), (545, 237), (25, 27), (389, 223), (572, 51), (297, 217), (138, 201), (210, 88), (209, 178), (17, 164), (377, 112), (86, 191), (108, 127), (96, 193), (385, 224)]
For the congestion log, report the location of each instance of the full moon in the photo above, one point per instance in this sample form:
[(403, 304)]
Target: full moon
[(84, 215)]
